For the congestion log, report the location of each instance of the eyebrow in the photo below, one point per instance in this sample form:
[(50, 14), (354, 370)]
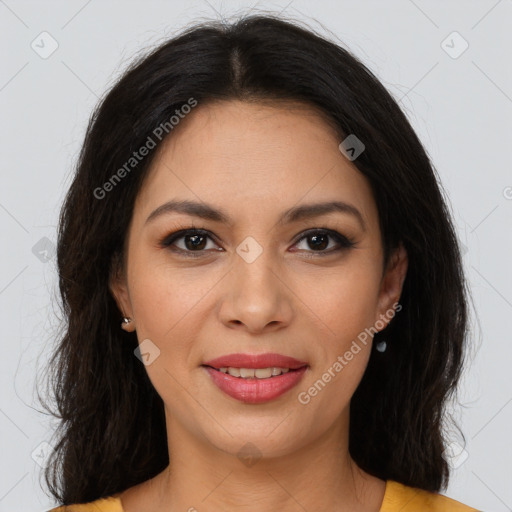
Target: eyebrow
[(207, 212)]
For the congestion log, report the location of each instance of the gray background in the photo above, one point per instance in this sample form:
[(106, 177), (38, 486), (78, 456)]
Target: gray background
[(459, 102)]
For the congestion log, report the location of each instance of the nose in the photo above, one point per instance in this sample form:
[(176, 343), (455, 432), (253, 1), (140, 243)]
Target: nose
[(257, 298)]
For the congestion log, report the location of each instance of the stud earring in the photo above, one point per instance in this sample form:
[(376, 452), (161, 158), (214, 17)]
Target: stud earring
[(125, 325), (381, 346)]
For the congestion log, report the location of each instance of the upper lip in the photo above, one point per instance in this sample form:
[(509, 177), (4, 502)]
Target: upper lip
[(267, 360)]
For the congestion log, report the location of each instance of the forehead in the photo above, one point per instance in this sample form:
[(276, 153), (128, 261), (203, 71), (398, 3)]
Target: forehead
[(254, 157)]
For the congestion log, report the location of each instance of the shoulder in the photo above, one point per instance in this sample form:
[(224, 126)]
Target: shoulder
[(409, 499), (109, 504)]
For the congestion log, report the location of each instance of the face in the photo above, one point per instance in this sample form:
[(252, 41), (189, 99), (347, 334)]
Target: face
[(256, 279)]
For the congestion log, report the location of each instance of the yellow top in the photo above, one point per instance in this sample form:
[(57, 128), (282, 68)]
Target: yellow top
[(397, 498)]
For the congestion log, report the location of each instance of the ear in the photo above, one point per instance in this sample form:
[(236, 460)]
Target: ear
[(118, 286), (391, 284)]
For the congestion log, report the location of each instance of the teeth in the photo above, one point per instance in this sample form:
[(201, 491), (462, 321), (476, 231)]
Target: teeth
[(247, 372), (235, 372), (258, 373)]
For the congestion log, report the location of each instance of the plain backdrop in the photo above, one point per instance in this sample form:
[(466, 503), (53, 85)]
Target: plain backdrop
[(448, 65)]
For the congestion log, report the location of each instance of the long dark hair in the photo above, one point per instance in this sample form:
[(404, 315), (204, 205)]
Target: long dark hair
[(112, 430)]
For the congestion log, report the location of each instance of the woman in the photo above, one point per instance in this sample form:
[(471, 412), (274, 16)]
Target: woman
[(254, 210)]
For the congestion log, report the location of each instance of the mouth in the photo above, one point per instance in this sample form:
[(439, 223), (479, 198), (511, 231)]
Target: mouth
[(254, 373), (255, 385), (266, 361)]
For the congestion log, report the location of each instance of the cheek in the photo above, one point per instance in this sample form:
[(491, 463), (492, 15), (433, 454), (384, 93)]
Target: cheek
[(165, 297), (343, 301), (342, 307), (166, 302)]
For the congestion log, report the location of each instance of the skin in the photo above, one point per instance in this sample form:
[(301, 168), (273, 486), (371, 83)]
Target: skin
[(254, 161)]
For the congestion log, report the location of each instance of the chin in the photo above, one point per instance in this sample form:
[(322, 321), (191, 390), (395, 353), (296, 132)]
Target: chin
[(254, 440)]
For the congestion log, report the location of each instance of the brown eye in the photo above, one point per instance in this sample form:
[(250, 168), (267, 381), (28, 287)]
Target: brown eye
[(318, 241), (194, 240)]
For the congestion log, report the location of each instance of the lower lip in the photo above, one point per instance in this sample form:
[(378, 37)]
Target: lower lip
[(254, 390)]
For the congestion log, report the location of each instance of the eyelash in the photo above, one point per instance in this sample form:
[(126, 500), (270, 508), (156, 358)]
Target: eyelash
[(168, 240)]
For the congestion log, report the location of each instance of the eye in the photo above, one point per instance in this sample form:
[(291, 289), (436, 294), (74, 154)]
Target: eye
[(320, 241), (195, 240)]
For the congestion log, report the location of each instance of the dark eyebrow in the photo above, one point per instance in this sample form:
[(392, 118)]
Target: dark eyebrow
[(205, 211)]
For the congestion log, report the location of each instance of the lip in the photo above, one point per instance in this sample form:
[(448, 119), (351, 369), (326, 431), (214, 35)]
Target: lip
[(267, 360), (254, 390)]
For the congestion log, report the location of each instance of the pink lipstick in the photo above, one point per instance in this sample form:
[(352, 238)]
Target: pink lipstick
[(252, 389)]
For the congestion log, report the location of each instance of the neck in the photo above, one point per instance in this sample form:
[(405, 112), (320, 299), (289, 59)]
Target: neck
[(317, 476)]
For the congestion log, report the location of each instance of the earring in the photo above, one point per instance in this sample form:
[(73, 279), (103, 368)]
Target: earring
[(381, 346), (126, 324)]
